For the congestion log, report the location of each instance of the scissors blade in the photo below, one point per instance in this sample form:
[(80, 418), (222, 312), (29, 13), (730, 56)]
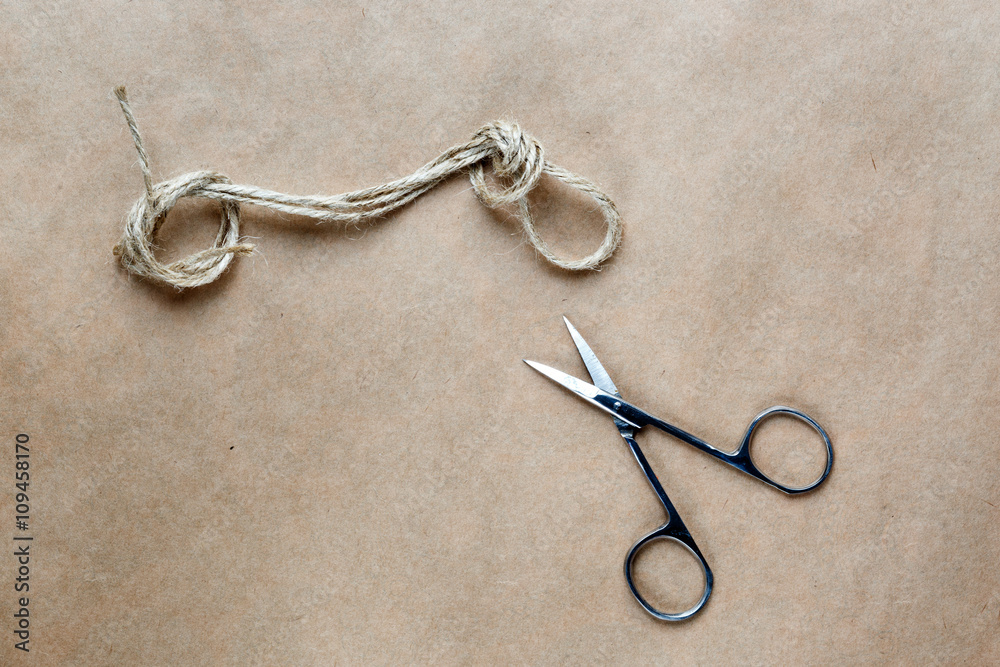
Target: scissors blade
[(584, 390), (594, 367)]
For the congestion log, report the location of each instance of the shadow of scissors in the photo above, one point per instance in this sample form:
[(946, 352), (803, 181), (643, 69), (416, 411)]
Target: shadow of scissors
[(628, 418)]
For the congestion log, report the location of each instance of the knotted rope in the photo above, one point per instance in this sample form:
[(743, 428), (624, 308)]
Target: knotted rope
[(515, 156)]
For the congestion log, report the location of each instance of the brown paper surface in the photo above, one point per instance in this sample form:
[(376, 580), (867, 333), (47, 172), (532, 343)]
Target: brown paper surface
[(334, 455)]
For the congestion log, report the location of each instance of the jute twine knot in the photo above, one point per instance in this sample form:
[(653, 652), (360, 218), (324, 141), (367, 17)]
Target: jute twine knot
[(515, 156)]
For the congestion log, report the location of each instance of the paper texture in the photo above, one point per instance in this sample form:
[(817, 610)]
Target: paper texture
[(334, 455)]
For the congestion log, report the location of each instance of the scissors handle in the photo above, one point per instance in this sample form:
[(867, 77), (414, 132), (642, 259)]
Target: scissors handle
[(740, 459), (675, 530)]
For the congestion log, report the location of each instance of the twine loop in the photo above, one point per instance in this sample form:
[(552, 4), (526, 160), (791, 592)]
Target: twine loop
[(135, 250), (516, 157)]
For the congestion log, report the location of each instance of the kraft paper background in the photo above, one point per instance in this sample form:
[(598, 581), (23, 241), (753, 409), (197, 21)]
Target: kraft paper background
[(334, 455)]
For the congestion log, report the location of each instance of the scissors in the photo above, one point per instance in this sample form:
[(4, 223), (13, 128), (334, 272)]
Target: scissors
[(628, 418)]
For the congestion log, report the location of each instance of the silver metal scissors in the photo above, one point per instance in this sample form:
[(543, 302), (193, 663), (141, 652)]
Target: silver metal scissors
[(628, 418)]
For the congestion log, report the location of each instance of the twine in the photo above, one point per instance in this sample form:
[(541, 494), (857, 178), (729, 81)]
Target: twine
[(514, 155)]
